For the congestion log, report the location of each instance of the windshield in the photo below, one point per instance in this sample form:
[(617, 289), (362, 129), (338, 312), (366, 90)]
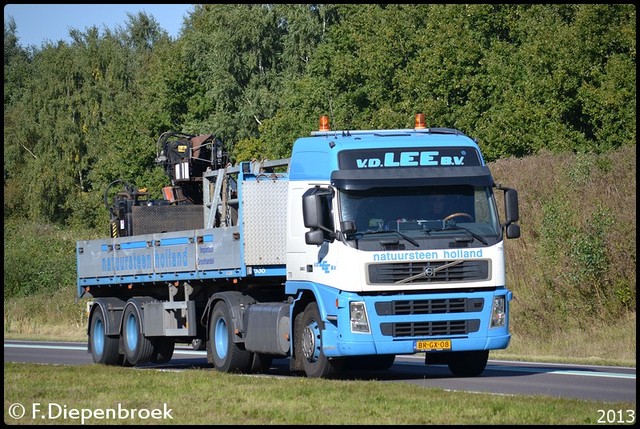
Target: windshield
[(423, 211)]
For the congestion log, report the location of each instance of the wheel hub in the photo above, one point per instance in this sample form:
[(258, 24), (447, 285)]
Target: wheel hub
[(310, 344)]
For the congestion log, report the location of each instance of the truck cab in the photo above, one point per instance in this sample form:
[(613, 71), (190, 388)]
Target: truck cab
[(395, 237)]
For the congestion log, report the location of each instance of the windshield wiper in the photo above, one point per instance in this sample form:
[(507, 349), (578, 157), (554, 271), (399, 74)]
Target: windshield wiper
[(473, 234), (406, 237)]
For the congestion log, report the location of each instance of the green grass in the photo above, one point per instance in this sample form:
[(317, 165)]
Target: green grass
[(204, 396)]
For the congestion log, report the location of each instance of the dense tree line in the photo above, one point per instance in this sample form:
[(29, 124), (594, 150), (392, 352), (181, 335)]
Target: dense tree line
[(520, 78)]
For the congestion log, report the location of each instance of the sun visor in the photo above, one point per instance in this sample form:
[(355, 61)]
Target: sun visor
[(395, 177)]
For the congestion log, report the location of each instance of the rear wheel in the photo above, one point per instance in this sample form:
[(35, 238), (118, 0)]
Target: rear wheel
[(261, 362), (138, 348), (163, 350), (104, 349), (468, 364), (315, 363), (198, 344), (226, 355)]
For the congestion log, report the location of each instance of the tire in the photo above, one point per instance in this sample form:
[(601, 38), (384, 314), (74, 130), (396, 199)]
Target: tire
[(316, 364), (295, 362), (104, 349), (163, 350), (123, 361), (261, 363), (198, 344), (468, 364), (138, 349), (225, 355)]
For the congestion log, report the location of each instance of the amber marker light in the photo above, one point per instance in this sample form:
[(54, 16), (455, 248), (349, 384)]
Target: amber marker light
[(324, 123), (420, 122)]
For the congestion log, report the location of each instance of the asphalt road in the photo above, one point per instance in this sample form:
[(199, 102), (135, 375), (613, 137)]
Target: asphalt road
[(597, 383)]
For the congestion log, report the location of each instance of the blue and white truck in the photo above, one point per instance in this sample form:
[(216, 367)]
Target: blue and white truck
[(363, 245)]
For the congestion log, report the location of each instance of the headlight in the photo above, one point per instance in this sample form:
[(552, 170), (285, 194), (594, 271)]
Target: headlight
[(498, 315), (358, 317)]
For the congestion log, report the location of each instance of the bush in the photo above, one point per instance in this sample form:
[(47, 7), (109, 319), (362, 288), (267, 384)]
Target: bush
[(37, 258)]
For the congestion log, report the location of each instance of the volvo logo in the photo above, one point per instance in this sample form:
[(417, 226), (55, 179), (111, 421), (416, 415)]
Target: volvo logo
[(429, 272)]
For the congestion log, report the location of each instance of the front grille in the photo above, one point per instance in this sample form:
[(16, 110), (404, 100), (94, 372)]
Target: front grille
[(472, 270), (428, 329), (429, 306)]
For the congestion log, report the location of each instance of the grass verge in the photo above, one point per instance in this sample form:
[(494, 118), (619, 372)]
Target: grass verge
[(219, 398)]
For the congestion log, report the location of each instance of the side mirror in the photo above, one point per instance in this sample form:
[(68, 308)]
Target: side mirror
[(511, 205), (315, 236), (513, 230), (311, 210), (316, 214), (511, 212)]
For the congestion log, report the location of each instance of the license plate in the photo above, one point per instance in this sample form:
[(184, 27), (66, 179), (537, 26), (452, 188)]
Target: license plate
[(431, 345)]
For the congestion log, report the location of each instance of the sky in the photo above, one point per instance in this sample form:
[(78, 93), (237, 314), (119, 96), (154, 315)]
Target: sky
[(37, 23)]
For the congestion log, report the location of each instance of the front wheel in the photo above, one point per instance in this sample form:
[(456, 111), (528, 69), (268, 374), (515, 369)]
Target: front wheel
[(315, 363), (468, 364), (226, 355)]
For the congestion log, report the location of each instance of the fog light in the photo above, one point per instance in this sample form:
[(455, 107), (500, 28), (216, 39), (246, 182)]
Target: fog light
[(498, 315), (358, 317)]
